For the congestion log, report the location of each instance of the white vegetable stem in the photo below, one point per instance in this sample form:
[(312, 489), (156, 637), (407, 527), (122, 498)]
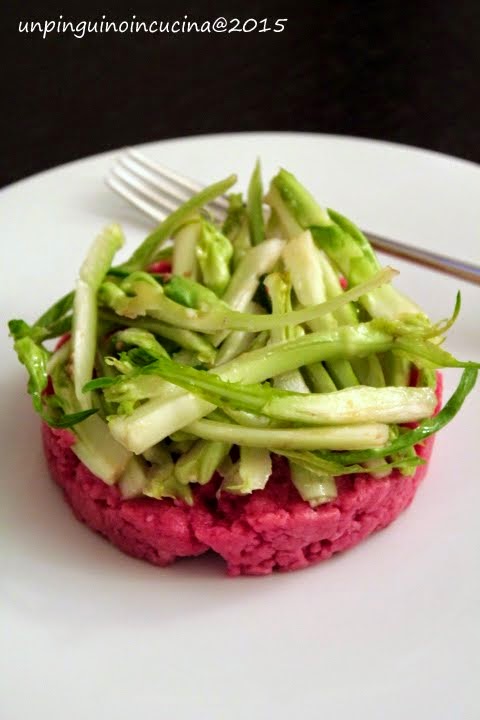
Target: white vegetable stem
[(256, 262), (313, 488), (250, 473), (162, 416), (184, 259), (98, 450), (279, 290), (302, 261), (355, 405), (343, 437), (84, 329)]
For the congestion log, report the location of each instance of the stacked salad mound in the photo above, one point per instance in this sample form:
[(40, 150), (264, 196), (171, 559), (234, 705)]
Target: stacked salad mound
[(256, 387)]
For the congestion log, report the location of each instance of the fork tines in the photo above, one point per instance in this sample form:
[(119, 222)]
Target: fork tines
[(154, 189)]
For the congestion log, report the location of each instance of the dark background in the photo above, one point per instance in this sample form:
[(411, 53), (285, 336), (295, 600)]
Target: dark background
[(402, 71)]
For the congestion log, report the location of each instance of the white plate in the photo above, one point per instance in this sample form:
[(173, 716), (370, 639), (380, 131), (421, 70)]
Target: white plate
[(387, 630)]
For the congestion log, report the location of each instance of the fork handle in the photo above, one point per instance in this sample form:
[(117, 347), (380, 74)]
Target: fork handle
[(442, 263)]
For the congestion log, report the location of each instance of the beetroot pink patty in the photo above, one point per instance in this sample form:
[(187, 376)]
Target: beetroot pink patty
[(271, 529)]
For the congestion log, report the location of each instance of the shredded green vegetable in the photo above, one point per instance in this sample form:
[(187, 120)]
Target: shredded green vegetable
[(248, 343)]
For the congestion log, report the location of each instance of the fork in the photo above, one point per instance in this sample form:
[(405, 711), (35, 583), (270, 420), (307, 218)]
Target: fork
[(156, 191)]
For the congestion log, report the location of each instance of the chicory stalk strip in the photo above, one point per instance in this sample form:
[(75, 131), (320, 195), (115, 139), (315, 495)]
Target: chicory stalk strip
[(160, 416), (342, 241), (38, 363), (255, 206), (214, 252), (94, 444), (56, 312), (422, 431), (144, 345), (150, 299), (184, 257), (160, 478), (236, 228), (145, 254), (279, 289), (341, 437), (303, 262), (140, 338), (84, 331), (200, 462), (238, 341), (156, 480), (319, 378), (351, 405), (313, 488), (134, 478), (187, 339), (318, 464), (255, 262), (250, 472), (314, 278), (56, 321), (243, 417), (236, 215)]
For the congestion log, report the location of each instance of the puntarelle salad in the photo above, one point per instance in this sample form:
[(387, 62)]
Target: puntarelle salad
[(217, 344)]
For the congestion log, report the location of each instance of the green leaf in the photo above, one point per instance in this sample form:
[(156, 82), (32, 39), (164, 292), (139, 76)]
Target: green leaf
[(191, 294), (57, 311), (19, 329), (316, 464), (214, 252), (71, 419), (424, 352), (53, 323), (142, 339), (34, 357), (99, 383)]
